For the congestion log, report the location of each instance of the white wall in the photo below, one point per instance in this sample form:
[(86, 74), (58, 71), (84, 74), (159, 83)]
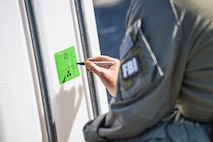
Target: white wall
[(21, 111), (21, 116), (58, 30)]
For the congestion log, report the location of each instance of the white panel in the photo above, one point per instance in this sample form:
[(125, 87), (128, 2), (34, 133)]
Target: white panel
[(94, 51), (19, 115), (71, 102)]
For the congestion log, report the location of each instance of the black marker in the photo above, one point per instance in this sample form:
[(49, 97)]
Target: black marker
[(99, 63)]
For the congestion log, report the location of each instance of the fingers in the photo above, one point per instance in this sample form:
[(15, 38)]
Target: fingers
[(105, 58), (101, 58), (107, 74), (93, 67), (98, 69)]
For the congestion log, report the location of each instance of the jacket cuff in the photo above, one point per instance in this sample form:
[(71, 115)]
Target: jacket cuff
[(91, 129)]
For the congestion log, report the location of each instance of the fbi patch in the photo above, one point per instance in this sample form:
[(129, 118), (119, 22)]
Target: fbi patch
[(130, 67)]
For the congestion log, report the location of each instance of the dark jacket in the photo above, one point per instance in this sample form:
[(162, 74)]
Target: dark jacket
[(166, 61)]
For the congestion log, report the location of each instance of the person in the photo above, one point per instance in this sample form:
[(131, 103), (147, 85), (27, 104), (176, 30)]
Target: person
[(163, 82)]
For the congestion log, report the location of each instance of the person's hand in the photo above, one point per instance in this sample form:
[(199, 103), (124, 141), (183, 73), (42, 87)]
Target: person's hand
[(107, 74)]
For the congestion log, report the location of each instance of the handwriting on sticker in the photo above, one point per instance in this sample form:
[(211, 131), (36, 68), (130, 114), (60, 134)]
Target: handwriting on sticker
[(66, 65)]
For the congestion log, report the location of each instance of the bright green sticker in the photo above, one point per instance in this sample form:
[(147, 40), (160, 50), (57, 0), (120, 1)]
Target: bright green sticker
[(66, 65)]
